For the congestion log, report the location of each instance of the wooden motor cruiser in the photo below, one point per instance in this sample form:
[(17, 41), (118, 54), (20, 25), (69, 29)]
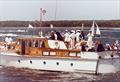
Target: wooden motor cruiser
[(44, 54)]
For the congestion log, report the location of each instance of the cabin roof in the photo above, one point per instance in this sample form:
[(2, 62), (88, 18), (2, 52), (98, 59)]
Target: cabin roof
[(30, 37)]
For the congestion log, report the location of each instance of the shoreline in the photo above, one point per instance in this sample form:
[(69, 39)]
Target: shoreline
[(61, 23)]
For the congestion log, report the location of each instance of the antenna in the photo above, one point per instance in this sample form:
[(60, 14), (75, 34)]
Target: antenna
[(56, 9), (40, 17)]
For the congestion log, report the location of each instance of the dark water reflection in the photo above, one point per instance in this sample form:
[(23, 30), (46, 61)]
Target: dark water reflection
[(11, 74)]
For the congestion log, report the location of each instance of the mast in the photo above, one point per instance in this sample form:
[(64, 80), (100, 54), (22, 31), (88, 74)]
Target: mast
[(42, 12), (56, 4), (40, 32)]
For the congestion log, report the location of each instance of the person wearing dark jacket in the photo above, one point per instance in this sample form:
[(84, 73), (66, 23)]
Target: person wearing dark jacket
[(100, 46), (59, 37), (52, 36)]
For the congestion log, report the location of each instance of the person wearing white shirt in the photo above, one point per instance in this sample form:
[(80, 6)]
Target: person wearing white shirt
[(67, 36), (77, 36), (72, 39), (90, 40)]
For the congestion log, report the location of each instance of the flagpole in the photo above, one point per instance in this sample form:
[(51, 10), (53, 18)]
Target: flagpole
[(40, 17), (56, 9)]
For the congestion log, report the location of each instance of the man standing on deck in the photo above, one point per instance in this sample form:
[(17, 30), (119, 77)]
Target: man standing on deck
[(66, 36), (72, 39), (77, 36), (90, 40)]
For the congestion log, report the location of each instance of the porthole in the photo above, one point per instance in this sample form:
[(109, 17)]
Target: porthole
[(99, 57), (71, 64), (112, 56), (19, 61), (44, 62), (31, 62), (57, 63)]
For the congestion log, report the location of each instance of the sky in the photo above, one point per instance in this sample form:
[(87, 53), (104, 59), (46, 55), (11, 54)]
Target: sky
[(29, 10)]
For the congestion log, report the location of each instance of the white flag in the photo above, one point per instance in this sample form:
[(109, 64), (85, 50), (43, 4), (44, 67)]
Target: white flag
[(51, 25), (30, 26)]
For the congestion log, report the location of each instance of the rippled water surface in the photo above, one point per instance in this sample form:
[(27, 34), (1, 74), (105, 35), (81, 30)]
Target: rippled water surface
[(11, 74)]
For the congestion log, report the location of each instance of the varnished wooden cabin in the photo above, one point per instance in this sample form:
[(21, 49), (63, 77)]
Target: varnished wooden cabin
[(36, 46)]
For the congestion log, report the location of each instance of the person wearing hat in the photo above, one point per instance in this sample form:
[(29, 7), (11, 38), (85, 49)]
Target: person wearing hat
[(77, 35), (72, 39), (90, 40), (82, 35), (66, 36)]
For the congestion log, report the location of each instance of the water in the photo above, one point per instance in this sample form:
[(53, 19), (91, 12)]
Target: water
[(11, 74)]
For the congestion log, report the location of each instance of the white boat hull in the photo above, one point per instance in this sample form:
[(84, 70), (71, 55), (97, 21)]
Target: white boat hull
[(85, 65)]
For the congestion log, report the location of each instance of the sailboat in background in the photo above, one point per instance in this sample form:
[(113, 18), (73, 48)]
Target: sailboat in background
[(51, 25), (93, 28), (97, 33), (30, 26)]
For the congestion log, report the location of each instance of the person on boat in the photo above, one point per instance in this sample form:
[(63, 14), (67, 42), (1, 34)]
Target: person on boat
[(8, 41), (72, 39), (53, 35), (82, 35), (83, 45), (59, 37), (67, 38), (90, 40), (108, 47), (40, 33), (77, 36), (47, 35), (115, 45), (100, 46)]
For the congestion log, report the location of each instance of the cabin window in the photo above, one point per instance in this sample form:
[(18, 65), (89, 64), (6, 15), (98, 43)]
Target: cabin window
[(29, 43), (20, 42), (72, 54), (42, 44), (36, 43), (23, 44)]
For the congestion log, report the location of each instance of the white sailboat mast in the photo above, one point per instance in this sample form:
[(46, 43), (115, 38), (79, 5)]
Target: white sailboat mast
[(51, 25), (97, 30), (93, 28)]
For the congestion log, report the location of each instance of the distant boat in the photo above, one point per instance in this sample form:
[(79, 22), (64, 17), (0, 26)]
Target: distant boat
[(30, 26), (97, 33), (51, 25)]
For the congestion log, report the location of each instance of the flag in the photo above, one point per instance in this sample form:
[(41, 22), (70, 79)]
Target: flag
[(51, 25), (43, 11), (30, 26)]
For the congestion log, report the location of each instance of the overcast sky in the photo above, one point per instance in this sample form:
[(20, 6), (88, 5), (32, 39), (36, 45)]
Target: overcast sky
[(66, 9)]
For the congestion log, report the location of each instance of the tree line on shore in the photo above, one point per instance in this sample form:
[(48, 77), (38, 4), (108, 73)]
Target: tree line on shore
[(64, 23)]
